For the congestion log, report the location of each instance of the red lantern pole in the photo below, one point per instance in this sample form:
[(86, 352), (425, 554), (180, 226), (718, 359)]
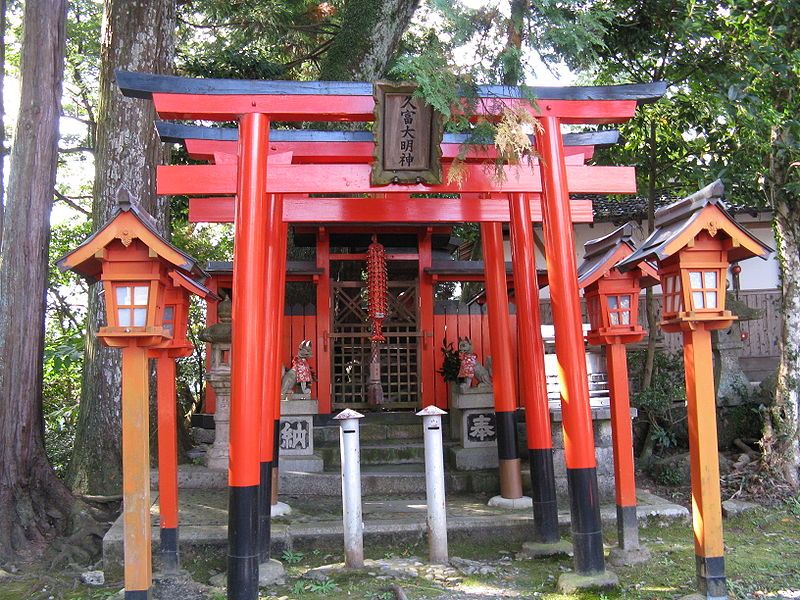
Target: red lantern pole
[(167, 406), (579, 453), (622, 441), (247, 360), (533, 383)]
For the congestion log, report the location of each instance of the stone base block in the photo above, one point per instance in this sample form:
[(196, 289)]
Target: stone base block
[(511, 503), (304, 464), (473, 459), (297, 435), (280, 509), (620, 557), (702, 597), (569, 583), (271, 573), (539, 550), (299, 404)]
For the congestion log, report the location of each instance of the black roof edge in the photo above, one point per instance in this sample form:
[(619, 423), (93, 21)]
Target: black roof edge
[(144, 85), (178, 133)]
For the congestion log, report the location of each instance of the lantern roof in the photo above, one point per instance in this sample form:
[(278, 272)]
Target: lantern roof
[(679, 223), (128, 222), (194, 286), (604, 253)]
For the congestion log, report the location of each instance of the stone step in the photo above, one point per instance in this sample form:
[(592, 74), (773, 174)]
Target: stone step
[(411, 451), (373, 431)]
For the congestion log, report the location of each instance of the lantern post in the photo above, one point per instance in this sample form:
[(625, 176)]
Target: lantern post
[(134, 264), (176, 324), (612, 300), (694, 241)]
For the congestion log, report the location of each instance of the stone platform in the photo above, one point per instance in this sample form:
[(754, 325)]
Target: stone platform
[(316, 522)]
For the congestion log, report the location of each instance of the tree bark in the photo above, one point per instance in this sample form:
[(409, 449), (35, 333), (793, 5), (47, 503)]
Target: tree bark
[(367, 39), (782, 423), (2, 114), (34, 504), (139, 36)]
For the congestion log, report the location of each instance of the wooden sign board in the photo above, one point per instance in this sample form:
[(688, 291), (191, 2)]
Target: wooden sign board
[(408, 136)]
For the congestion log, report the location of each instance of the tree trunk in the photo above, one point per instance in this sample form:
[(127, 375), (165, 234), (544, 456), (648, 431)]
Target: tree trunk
[(2, 114), (782, 423), (34, 504), (367, 39), (138, 36)]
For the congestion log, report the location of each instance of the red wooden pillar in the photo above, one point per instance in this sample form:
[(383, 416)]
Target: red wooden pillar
[(276, 398), (323, 322), (247, 360), (273, 341), (706, 502), (167, 411), (624, 478), (559, 237), (210, 398), (533, 382), (428, 365), (503, 377)]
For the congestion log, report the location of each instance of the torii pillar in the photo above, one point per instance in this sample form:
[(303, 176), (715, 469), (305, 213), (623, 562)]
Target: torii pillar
[(579, 451)]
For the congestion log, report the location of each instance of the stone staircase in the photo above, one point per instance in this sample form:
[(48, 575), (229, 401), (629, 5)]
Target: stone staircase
[(392, 460)]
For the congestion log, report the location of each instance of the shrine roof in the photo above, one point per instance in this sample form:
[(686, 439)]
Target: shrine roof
[(602, 254), (293, 267), (144, 85), (680, 219), (179, 133)]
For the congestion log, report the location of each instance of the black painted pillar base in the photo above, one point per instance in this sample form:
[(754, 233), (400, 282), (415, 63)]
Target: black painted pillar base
[(265, 512), (627, 528), (543, 494), (587, 530), (170, 562), (711, 577), (243, 543), (137, 595)]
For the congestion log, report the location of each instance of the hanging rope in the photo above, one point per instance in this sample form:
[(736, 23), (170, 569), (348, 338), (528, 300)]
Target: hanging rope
[(377, 288)]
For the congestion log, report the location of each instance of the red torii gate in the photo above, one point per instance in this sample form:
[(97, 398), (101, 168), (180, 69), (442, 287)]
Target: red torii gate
[(260, 184)]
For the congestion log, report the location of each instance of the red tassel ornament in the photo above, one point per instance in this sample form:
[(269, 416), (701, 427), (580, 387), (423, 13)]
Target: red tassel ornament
[(377, 288)]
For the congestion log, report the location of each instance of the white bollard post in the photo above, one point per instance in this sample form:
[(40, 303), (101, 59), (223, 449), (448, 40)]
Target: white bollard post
[(434, 484), (351, 488)]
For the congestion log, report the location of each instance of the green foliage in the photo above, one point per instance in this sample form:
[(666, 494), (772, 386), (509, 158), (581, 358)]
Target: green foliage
[(291, 557), (255, 39), (303, 586), (668, 475), (667, 387), (451, 364), (63, 362)]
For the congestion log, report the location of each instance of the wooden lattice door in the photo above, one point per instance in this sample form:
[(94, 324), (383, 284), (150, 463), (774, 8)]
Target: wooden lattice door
[(350, 345)]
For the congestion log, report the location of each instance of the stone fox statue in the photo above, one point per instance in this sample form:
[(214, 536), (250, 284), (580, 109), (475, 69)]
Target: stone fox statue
[(471, 368), (300, 371)]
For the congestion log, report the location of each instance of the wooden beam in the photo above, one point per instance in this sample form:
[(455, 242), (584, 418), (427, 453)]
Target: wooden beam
[(355, 179), (383, 210), (221, 152), (180, 133)]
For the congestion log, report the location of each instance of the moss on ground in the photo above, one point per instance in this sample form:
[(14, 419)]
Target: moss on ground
[(762, 558)]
